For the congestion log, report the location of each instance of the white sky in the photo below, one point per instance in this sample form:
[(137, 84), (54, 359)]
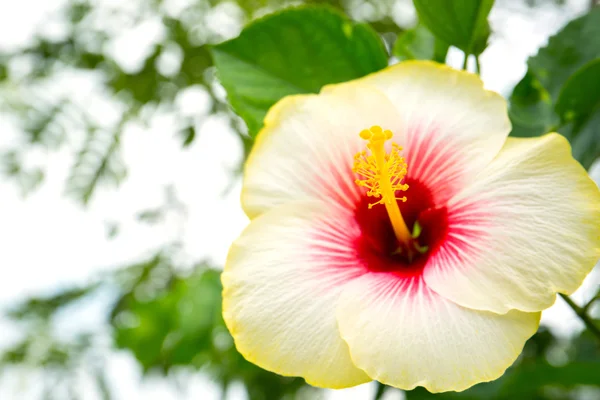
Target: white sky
[(51, 242)]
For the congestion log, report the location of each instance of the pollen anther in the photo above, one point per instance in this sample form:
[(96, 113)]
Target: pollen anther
[(382, 175)]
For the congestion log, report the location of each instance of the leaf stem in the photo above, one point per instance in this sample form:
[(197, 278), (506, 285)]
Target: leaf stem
[(465, 62), (586, 319), (381, 388), (587, 306), (477, 65)]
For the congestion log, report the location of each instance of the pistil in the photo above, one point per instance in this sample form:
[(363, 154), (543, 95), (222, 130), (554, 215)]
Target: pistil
[(383, 175)]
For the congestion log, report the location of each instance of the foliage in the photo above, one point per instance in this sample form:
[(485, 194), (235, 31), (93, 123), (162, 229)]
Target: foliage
[(168, 315), (97, 159), (62, 360), (419, 43), (291, 52), (532, 376), (165, 318), (558, 91), (168, 320), (136, 92), (462, 24)]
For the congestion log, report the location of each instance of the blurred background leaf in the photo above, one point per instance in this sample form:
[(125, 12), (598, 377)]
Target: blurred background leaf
[(462, 24), (563, 75), (533, 377), (578, 107), (419, 43)]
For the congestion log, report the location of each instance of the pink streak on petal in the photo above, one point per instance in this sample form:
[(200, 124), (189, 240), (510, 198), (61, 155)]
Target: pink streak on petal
[(334, 260), (433, 161), (413, 288), (468, 232)]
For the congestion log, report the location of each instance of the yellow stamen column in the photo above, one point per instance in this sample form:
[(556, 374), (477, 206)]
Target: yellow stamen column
[(383, 174)]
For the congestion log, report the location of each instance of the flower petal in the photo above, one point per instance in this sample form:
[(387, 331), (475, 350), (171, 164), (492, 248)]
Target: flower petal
[(281, 282), (306, 149), (528, 227), (405, 335), (452, 126)]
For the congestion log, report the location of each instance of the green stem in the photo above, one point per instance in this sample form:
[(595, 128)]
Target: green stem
[(587, 320), (477, 65), (590, 303), (465, 61), (381, 388)]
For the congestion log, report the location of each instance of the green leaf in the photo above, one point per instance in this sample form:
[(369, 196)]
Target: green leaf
[(297, 50), (560, 89), (188, 134), (98, 159), (177, 321), (531, 111), (530, 378), (459, 23), (585, 345), (151, 216), (522, 382), (420, 44), (578, 106), (580, 94), (584, 135), (142, 86), (46, 307), (570, 49)]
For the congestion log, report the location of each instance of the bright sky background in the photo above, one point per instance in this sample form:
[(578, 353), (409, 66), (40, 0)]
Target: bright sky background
[(51, 242)]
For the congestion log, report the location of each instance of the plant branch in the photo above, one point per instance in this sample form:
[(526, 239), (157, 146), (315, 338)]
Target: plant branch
[(477, 65), (589, 304), (586, 319), (381, 388), (466, 61)]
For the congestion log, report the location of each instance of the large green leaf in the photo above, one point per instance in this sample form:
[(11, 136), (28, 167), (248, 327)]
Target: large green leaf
[(560, 89), (420, 44), (460, 23), (297, 50)]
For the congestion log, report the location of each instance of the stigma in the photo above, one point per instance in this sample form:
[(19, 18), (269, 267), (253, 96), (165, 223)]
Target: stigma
[(382, 174)]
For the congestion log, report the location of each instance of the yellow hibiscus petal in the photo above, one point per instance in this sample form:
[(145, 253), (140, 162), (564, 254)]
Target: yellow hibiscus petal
[(405, 335), (281, 282), (531, 228), (306, 149)]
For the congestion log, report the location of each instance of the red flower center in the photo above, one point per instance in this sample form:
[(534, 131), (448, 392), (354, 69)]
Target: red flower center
[(377, 245)]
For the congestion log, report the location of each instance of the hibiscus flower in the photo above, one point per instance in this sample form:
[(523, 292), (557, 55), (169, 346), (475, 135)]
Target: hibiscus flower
[(397, 234)]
